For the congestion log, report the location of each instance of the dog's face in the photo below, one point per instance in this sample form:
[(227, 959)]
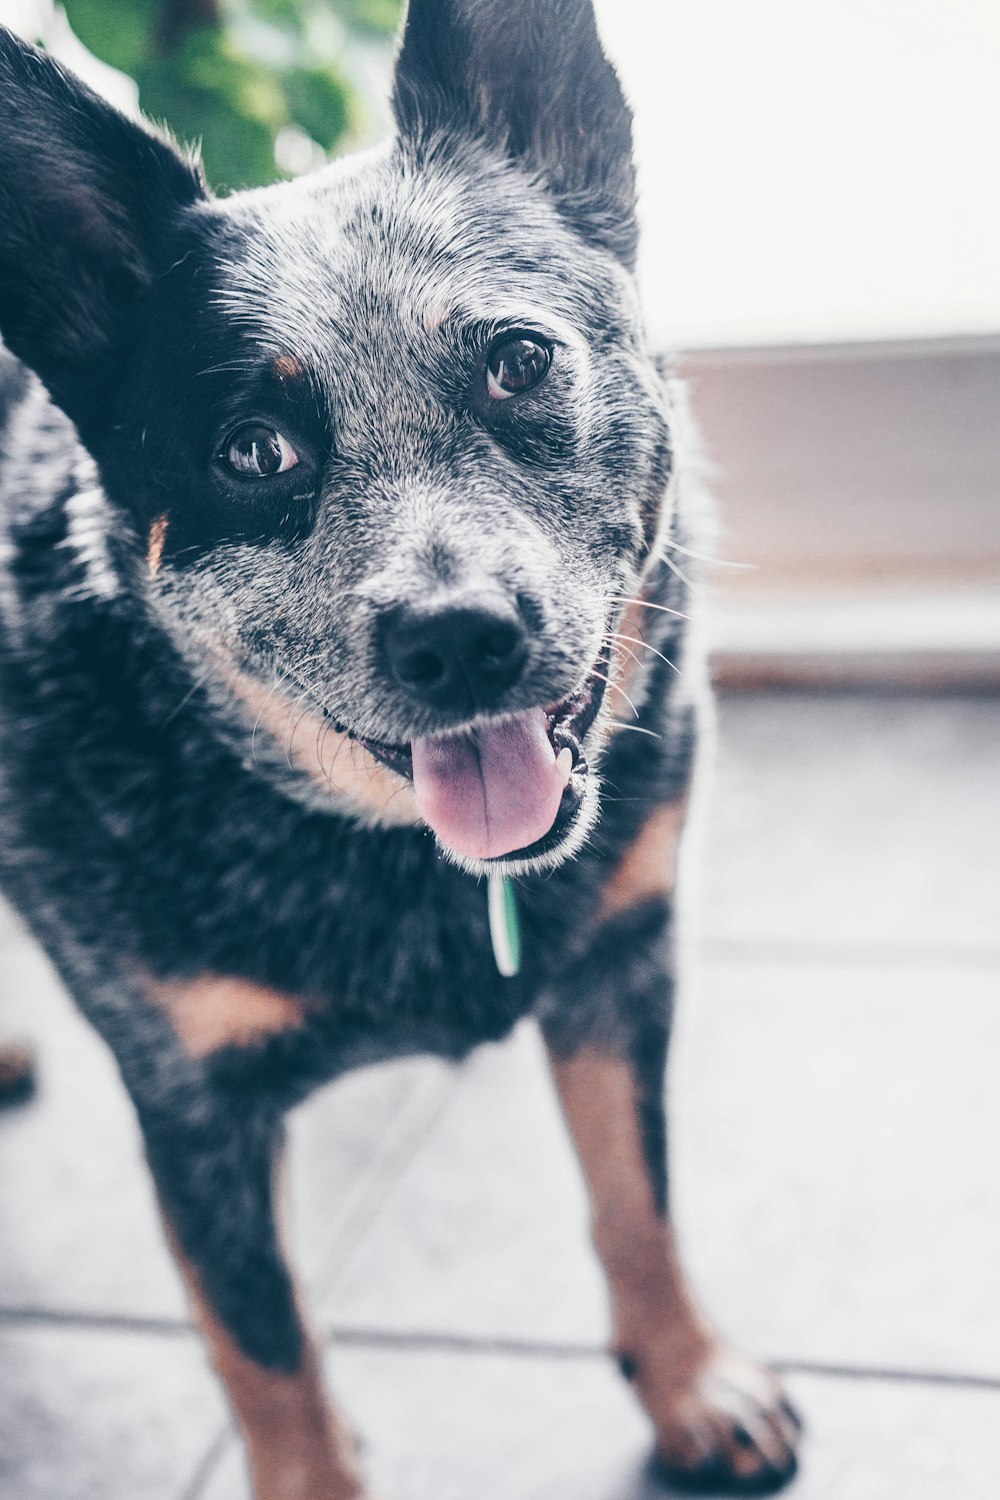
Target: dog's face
[(385, 442)]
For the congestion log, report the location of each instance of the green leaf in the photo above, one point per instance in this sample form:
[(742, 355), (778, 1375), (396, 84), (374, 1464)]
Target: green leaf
[(319, 102), (206, 90), (218, 81), (286, 13), (121, 35), (377, 17)]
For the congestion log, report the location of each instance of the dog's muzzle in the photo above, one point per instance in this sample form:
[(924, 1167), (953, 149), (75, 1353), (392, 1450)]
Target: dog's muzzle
[(510, 787)]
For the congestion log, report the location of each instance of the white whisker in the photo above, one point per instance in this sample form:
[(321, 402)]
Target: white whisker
[(602, 678), (294, 728), (616, 640), (637, 729), (199, 682), (675, 569), (655, 652), (645, 604), (719, 562)]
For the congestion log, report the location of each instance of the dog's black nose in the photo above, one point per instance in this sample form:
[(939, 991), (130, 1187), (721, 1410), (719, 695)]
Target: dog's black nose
[(463, 655)]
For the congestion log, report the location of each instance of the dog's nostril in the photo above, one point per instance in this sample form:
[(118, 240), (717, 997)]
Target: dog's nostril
[(421, 668), (462, 656), (496, 646)]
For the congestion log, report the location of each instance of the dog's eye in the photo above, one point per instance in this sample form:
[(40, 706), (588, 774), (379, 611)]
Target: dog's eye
[(515, 366), (254, 451)]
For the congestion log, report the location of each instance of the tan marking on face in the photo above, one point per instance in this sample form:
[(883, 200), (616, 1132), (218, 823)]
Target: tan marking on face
[(288, 367), (683, 1373), (300, 1447), (210, 1012), (436, 313), (333, 760), (154, 546), (649, 867)]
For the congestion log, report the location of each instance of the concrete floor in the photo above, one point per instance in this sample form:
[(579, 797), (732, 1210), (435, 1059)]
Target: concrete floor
[(837, 1133)]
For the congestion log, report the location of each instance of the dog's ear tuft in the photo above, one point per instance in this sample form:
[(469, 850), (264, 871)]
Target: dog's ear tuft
[(87, 197), (531, 78)]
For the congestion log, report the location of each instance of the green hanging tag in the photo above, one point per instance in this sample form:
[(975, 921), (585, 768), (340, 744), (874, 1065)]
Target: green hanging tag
[(505, 928)]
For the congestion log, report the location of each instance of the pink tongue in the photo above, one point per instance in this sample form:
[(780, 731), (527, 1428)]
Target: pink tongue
[(490, 792)]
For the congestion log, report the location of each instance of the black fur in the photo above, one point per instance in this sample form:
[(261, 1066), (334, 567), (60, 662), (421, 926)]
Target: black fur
[(76, 256), (150, 828), (545, 95)]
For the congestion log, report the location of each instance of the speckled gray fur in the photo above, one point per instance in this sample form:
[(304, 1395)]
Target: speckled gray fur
[(142, 832)]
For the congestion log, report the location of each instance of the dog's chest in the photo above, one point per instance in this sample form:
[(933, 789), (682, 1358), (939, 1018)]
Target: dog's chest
[(185, 865)]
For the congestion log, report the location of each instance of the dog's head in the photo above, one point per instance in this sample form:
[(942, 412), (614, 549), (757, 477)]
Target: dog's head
[(382, 447)]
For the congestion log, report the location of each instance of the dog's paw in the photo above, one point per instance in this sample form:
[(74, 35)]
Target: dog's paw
[(727, 1428)]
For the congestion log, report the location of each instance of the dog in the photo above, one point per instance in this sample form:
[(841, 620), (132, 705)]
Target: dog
[(348, 705)]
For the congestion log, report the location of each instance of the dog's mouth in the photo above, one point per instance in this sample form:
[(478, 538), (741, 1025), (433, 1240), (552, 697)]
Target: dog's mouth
[(508, 788)]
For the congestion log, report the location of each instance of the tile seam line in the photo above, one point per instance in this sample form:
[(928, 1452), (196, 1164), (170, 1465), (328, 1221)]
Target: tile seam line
[(395, 1154), (95, 1322), (207, 1465), (424, 1341), (954, 1379), (860, 955), (445, 1343)]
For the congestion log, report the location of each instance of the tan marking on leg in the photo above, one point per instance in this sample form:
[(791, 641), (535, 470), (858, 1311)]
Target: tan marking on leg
[(288, 367), (598, 1096), (333, 760), (700, 1394), (154, 548), (210, 1012), (299, 1446), (649, 867)]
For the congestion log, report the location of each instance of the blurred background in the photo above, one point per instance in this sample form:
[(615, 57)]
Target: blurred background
[(822, 251), (822, 239)]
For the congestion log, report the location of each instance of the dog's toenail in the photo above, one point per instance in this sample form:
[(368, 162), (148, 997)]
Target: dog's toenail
[(628, 1366)]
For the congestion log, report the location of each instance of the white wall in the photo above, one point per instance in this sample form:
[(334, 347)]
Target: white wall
[(815, 169)]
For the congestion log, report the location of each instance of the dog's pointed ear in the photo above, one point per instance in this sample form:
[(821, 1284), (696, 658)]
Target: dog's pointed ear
[(531, 78), (87, 197)]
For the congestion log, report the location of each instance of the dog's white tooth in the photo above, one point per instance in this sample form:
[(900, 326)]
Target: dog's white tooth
[(564, 761)]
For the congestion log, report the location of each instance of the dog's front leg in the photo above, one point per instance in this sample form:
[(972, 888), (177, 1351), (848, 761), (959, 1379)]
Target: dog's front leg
[(214, 1159), (299, 1446), (719, 1419)]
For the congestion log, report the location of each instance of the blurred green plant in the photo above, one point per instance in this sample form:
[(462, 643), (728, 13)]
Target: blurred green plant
[(262, 83)]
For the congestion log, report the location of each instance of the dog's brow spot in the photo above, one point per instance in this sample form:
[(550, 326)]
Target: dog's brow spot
[(154, 548), (288, 367), (436, 314)]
